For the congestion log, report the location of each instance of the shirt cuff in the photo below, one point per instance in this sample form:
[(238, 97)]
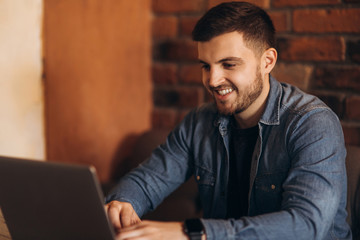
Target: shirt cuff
[(218, 229)]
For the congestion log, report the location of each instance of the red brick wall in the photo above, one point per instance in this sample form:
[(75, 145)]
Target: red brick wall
[(319, 51)]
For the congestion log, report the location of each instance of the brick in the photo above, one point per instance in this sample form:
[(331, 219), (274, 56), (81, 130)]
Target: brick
[(260, 3), (295, 74), (164, 118), (164, 74), (187, 24), (176, 50), (334, 101), (280, 20), (165, 27), (352, 108), (311, 49), (351, 134), (327, 20), (190, 74), (339, 78), (166, 6), (353, 51), (182, 114), (298, 3), (180, 97)]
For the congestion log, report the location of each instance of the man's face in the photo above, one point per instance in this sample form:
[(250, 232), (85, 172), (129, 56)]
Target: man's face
[(231, 72)]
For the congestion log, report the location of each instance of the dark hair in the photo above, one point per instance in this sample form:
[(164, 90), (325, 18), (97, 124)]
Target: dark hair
[(253, 22)]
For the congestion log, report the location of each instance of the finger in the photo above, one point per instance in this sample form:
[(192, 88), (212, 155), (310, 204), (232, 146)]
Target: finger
[(128, 217), (134, 232), (113, 214), (135, 219)]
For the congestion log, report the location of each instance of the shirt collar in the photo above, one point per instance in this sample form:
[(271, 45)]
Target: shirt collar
[(271, 115)]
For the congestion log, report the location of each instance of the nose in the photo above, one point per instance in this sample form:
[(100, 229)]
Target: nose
[(215, 78)]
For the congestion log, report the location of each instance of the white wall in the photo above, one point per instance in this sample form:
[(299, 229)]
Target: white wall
[(21, 94)]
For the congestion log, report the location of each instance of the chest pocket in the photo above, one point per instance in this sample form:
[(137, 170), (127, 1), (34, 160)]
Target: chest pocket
[(206, 183), (268, 192)]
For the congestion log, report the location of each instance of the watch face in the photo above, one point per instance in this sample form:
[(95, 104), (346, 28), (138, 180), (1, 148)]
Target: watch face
[(194, 225)]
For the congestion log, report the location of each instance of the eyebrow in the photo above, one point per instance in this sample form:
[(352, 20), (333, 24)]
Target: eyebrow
[(227, 59)]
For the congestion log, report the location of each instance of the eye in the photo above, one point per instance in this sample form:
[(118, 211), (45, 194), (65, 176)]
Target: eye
[(229, 65), (205, 67)]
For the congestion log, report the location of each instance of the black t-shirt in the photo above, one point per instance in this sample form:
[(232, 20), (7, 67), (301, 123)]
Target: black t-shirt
[(242, 145)]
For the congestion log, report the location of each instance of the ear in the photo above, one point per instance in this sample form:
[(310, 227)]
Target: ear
[(269, 60)]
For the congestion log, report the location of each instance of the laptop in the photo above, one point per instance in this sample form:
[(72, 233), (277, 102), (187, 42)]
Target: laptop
[(49, 200)]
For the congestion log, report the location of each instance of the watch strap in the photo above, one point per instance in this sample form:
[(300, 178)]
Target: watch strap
[(194, 228)]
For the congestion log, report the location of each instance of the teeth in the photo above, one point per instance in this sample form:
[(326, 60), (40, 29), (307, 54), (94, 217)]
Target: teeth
[(225, 91)]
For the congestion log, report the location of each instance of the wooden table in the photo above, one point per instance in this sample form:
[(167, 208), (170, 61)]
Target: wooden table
[(4, 232)]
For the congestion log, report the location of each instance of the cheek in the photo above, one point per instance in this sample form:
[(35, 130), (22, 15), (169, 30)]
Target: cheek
[(238, 78), (245, 77)]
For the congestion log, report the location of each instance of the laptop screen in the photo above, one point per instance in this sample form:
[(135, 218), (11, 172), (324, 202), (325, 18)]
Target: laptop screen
[(48, 200)]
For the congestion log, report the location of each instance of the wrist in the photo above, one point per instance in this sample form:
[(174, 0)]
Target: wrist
[(194, 229)]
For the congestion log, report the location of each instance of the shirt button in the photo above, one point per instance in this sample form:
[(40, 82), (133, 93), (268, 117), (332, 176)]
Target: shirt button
[(273, 186)]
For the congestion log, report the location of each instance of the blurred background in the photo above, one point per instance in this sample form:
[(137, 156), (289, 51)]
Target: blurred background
[(81, 80)]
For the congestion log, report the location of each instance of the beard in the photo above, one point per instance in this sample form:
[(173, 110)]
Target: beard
[(246, 97)]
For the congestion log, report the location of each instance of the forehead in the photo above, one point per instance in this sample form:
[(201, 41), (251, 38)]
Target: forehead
[(223, 46)]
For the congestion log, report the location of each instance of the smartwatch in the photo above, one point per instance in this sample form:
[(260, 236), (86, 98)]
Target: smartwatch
[(193, 228)]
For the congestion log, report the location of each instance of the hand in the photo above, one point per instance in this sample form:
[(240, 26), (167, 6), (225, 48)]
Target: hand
[(153, 230), (121, 215)]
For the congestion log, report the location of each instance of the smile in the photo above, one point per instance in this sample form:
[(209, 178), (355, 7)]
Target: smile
[(225, 91)]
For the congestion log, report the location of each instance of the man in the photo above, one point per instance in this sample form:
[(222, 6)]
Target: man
[(268, 158)]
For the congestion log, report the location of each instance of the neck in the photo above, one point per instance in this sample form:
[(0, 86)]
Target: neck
[(251, 116)]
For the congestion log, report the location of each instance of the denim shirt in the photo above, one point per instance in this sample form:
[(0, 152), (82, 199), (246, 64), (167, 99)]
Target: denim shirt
[(297, 179)]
